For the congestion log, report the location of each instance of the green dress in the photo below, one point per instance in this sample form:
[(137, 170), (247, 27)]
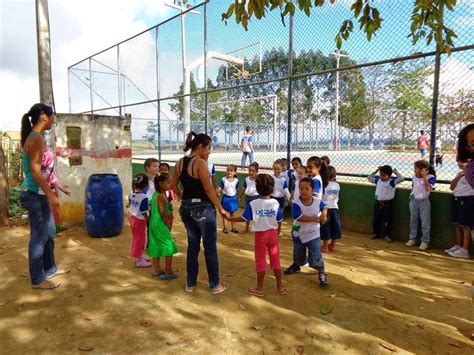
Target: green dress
[(160, 241)]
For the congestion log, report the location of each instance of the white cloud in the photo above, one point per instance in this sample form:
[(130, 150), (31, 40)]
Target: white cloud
[(78, 28)]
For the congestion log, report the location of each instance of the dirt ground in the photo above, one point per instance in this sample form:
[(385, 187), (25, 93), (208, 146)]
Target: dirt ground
[(382, 298)]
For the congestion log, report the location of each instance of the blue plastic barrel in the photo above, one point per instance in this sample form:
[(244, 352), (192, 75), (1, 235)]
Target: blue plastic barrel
[(104, 206)]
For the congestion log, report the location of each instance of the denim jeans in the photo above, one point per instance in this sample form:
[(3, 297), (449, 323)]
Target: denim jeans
[(244, 158), (420, 210), (200, 221), (42, 232), (314, 257)]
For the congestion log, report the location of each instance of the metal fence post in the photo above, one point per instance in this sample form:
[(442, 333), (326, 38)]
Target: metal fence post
[(205, 72), (119, 89), (434, 108), (290, 82), (90, 85), (158, 101)]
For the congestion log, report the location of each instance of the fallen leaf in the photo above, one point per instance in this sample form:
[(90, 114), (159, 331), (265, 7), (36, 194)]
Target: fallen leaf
[(96, 261), (300, 349), (379, 297), (421, 326), (352, 268), (79, 268), (125, 285), (388, 347), (48, 329), (242, 307), (456, 345), (326, 309), (333, 295), (86, 348), (24, 275), (448, 298), (89, 319), (145, 323), (231, 274), (240, 245), (258, 327)]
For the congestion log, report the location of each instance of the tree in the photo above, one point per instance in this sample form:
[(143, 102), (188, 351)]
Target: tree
[(427, 20), (456, 110)]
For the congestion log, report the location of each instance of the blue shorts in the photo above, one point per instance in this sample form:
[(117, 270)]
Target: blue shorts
[(332, 228), (230, 203)]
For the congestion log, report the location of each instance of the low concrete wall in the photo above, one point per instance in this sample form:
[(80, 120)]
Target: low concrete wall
[(105, 147), (356, 204)]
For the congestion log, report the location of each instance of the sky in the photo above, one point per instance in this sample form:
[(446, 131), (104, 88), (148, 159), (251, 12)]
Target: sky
[(82, 28)]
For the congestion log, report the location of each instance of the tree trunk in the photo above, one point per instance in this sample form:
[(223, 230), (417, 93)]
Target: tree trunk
[(3, 190)]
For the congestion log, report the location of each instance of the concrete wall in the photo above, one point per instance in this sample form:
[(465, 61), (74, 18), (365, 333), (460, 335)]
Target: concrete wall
[(105, 147)]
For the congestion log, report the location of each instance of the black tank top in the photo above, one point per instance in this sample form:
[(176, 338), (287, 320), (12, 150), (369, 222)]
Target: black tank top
[(192, 187)]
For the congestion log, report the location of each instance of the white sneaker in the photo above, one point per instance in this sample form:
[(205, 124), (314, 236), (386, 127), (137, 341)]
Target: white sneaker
[(460, 253), (454, 248), (410, 243), (424, 246)]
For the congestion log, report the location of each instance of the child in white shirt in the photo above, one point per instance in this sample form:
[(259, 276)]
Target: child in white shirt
[(331, 230)]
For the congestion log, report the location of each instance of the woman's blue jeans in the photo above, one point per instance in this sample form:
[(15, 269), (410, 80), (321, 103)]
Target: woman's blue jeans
[(199, 218), (42, 232)]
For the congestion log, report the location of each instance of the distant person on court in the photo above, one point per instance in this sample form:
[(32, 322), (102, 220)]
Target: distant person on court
[(38, 196), (385, 188), (331, 231), (249, 189), (266, 215), (308, 213), (161, 243), (423, 182), (199, 203), (423, 143), (465, 152), (247, 147), (229, 187), (138, 203), (462, 214)]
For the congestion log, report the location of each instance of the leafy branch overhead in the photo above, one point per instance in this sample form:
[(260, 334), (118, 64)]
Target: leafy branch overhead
[(427, 20)]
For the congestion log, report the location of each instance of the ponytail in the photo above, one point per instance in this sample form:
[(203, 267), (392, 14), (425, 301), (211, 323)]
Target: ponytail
[(30, 119), (193, 140), (324, 173)]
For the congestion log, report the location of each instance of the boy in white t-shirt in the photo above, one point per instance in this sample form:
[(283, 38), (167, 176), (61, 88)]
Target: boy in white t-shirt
[(385, 187), (266, 215), (308, 213), (331, 230)]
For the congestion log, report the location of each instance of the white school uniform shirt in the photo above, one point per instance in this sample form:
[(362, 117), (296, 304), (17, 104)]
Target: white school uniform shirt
[(138, 204), (306, 231), (229, 188), (288, 174), (385, 190), (250, 187), (280, 188), (463, 188), (331, 194), (418, 191), (265, 214), (318, 187), (151, 189)]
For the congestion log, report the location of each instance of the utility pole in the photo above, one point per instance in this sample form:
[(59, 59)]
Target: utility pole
[(44, 53), (337, 53)]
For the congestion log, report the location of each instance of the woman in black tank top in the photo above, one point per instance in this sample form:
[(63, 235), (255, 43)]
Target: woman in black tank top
[(199, 202)]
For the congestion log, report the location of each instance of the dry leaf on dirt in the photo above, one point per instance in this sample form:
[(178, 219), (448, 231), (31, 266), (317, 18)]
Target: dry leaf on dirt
[(145, 323), (352, 268), (86, 348), (258, 327), (48, 329), (326, 309), (456, 345), (231, 274), (380, 297), (24, 275), (388, 347), (125, 285), (300, 349), (242, 307)]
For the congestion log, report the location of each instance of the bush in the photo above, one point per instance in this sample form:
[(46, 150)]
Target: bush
[(14, 208)]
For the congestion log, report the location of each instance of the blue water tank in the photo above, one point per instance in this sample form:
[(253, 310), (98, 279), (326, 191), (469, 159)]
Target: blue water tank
[(104, 212)]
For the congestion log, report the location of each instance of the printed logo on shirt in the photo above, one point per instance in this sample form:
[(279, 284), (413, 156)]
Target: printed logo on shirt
[(266, 213)]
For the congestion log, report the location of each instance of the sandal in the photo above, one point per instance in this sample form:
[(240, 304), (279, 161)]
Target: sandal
[(189, 288), (234, 231), (58, 272), (254, 292), (282, 290), (46, 285), (168, 276), (223, 286), (157, 274)]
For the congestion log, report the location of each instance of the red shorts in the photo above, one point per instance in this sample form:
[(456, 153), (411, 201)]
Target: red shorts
[(267, 240)]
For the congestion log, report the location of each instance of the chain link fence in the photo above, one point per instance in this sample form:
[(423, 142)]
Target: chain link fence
[(363, 106)]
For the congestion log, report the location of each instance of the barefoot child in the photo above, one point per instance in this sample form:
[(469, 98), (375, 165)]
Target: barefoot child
[(308, 212), (230, 200), (266, 214), (250, 190), (331, 230), (138, 203), (161, 243)]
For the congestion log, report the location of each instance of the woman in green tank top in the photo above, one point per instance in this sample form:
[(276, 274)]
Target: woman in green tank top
[(38, 198)]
